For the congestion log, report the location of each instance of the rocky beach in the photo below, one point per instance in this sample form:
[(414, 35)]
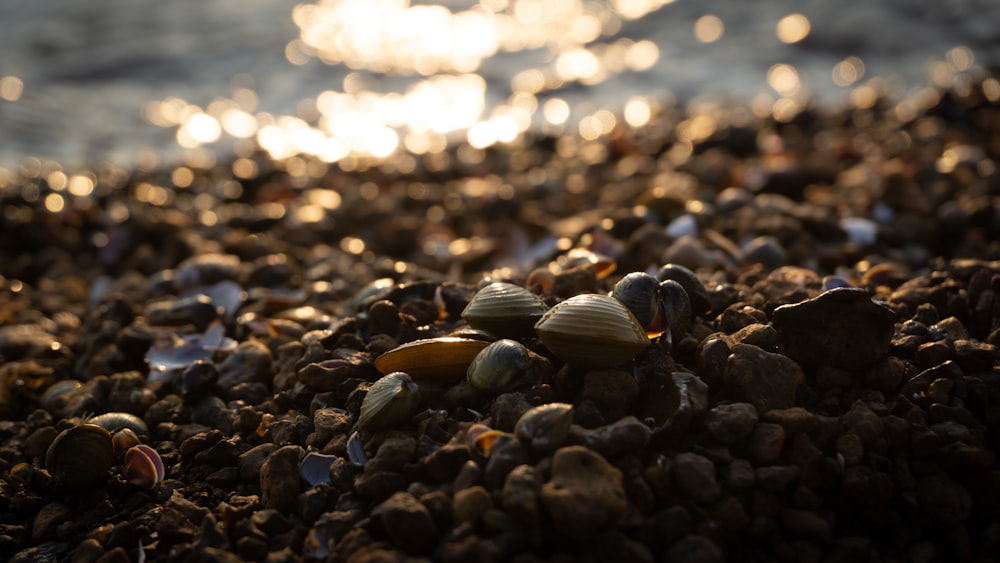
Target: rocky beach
[(288, 360)]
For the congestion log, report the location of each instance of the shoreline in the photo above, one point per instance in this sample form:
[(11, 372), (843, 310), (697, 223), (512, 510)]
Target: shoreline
[(869, 431)]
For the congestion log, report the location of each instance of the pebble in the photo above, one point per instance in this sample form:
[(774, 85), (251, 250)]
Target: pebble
[(408, 523), (766, 442), (694, 476), (764, 379), (279, 478), (584, 494), (731, 422), (843, 328)]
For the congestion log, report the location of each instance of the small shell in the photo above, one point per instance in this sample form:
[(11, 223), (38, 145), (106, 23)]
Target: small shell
[(54, 394), (124, 439), (593, 330), (80, 457), (640, 292), (391, 400), (603, 265), (481, 438), (676, 309), (142, 466), (315, 468), (544, 428), (115, 421), (504, 309), (445, 359), (697, 294), (498, 365)]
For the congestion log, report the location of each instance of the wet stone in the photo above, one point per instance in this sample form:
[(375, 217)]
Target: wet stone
[(767, 381), (627, 435), (731, 422), (695, 548), (695, 477), (470, 503), (842, 327), (584, 494), (279, 478), (766, 443), (520, 494), (408, 523), (613, 391), (943, 500), (738, 475)]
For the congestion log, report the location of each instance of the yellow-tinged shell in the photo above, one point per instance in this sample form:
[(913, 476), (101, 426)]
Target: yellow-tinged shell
[(592, 330), (80, 457), (444, 359), (504, 309), (391, 400)]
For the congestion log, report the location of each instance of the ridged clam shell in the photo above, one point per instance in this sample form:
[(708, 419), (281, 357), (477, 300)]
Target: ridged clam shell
[(498, 365), (593, 330), (80, 457), (504, 309), (115, 421), (445, 359), (390, 400)]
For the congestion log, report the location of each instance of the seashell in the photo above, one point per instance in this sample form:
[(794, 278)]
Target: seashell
[(315, 468), (124, 439), (80, 457), (676, 308), (356, 450), (544, 428), (504, 309), (603, 265), (445, 359), (697, 294), (481, 438), (390, 401), (53, 396), (115, 421), (142, 466), (593, 330), (640, 292), (498, 365)]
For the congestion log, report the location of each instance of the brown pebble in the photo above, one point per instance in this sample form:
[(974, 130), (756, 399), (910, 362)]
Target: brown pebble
[(279, 478), (694, 476), (731, 422), (766, 380), (842, 327), (766, 442), (469, 504), (584, 494), (408, 523)]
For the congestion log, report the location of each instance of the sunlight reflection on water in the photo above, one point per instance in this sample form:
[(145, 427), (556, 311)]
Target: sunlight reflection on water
[(367, 79)]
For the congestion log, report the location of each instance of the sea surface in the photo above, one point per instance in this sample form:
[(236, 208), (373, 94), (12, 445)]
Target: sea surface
[(127, 82)]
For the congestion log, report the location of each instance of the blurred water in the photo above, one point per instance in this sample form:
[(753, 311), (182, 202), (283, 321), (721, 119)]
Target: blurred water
[(77, 76)]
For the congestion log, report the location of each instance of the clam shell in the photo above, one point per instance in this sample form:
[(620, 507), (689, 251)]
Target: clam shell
[(504, 309), (639, 292), (498, 365), (445, 359), (391, 400), (544, 428), (593, 330), (115, 421), (698, 295), (80, 457), (142, 466)]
